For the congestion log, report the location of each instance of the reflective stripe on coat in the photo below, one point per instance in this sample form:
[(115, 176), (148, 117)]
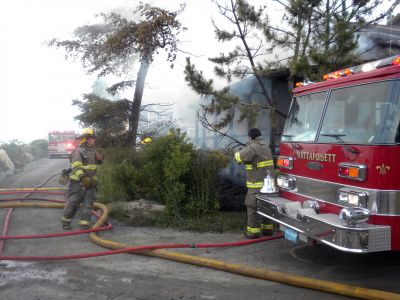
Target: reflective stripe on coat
[(257, 158)]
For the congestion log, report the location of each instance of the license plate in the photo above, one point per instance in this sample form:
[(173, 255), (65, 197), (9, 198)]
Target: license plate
[(291, 235)]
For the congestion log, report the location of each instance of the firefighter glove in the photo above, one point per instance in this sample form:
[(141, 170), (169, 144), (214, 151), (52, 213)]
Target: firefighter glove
[(66, 172), (86, 182)]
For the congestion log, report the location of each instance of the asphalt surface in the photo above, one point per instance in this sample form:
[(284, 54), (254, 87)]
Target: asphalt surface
[(129, 276)]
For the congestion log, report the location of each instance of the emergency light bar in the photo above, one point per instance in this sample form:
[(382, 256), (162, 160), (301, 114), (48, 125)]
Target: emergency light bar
[(373, 65)]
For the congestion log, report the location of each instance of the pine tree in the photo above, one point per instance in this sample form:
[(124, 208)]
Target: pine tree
[(112, 46), (321, 35), (242, 61)]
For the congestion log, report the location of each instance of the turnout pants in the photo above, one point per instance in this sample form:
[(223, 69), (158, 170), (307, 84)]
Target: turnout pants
[(253, 219), (77, 195)]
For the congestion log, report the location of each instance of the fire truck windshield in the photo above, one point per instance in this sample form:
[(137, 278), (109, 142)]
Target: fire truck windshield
[(361, 114)]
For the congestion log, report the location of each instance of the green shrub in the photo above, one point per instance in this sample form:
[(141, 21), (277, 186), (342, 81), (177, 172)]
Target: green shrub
[(20, 153), (38, 148), (170, 170), (117, 155), (167, 162), (183, 178), (15, 150), (114, 182), (204, 180)]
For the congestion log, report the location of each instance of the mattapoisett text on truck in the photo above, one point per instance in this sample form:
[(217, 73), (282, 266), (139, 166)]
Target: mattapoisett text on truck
[(339, 163)]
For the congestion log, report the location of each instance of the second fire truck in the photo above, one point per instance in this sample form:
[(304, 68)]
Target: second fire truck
[(61, 143)]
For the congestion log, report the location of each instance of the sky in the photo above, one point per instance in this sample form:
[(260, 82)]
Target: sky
[(38, 84)]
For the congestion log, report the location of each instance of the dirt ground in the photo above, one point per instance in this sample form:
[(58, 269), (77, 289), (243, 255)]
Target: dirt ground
[(129, 276)]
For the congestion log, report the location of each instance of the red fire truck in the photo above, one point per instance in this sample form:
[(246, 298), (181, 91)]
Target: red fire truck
[(61, 143), (339, 161)]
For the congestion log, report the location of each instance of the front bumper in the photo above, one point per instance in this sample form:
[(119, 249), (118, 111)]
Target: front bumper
[(326, 228)]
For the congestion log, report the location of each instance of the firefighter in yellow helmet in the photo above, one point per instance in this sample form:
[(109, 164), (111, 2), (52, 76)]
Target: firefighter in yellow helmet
[(82, 188), (146, 141), (257, 158)]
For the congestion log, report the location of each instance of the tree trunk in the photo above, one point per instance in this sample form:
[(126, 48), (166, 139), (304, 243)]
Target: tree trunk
[(299, 33), (137, 101), (327, 27)]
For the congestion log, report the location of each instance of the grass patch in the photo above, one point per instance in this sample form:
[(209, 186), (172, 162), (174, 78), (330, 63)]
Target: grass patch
[(220, 222)]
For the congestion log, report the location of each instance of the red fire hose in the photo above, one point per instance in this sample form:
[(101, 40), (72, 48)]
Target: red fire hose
[(153, 250), (4, 236)]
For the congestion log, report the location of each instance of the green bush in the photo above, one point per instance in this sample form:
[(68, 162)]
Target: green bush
[(204, 181), (22, 154), (167, 162), (15, 150), (117, 155), (121, 177), (38, 148), (170, 170), (114, 182), (184, 179)]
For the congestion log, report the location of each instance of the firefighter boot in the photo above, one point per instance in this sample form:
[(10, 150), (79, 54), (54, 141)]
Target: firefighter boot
[(83, 224), (66, 223), (267, 229), (252, 233)]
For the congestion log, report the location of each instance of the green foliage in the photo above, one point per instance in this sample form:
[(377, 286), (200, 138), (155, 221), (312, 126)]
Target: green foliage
[(110, 118), (106, 115), (323, 33), (169, 170), (339, 54), (167, 162), (111, 47), (114, 182), (395, 21), (38, 148), (241, 28), (184, 179), (121, 177), (204, 181), (15, 151), (22, 154), (117, 155)]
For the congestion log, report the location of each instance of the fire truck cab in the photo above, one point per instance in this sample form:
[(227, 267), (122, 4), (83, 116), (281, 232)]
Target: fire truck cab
[(61, 143), (339, 164)]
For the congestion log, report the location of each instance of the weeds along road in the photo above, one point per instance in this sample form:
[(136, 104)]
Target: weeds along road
[(128, 276)]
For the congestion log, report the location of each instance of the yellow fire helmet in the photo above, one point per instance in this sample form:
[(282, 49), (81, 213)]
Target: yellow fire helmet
[(86, 132), (146, 141)]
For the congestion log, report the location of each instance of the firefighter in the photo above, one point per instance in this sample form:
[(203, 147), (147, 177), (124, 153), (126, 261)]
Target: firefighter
[(257, 158), (146, 141), (82, 186)]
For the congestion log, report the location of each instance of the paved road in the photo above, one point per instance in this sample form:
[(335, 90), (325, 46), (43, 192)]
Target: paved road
[(128, 276)]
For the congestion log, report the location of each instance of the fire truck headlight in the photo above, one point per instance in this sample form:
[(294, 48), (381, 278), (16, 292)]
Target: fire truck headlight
[(353, 198), (354, 215), (311, 204), (285, 182)]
